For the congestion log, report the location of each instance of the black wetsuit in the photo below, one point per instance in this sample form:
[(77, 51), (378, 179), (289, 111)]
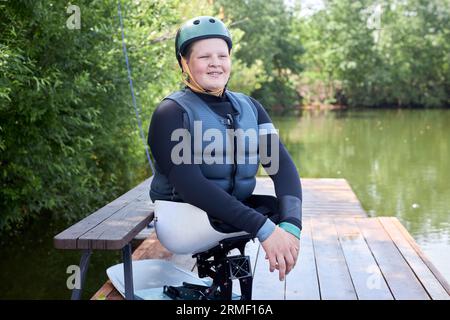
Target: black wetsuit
[(195, 189)]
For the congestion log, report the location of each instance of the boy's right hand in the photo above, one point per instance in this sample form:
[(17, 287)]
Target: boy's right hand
[(281, 249)]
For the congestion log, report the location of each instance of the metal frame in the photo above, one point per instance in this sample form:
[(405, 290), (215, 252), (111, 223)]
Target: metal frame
[(84, 264), (216, 264), (127, 271)]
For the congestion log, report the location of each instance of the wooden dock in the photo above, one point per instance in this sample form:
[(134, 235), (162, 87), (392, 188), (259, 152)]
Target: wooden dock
[(343, 254)]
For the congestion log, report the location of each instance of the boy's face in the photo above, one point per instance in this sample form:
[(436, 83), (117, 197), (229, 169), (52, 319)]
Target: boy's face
[(210, 63)]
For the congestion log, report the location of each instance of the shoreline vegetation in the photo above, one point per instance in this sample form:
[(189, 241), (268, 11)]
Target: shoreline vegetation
[(323, 107)]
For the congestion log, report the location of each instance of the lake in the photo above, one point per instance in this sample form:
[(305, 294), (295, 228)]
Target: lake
[(396, 161)]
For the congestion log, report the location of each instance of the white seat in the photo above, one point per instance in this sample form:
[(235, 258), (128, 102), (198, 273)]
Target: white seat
[(185, 229)]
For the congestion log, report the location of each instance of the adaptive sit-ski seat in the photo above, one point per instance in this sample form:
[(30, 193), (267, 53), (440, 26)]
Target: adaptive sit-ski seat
[(183, 228)]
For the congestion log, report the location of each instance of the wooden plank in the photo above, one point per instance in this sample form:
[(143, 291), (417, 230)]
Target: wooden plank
[(334, 194), (104, 292), (334, 213), (423, 273), (266, 284), (302, 282), (334, 278), (402, 282), (68, 239), (266, 184), (330, 207), (326, 203), (324, 214), (321, 197), (324, 182), (413, 243), (364, 271), (337, 209), (120, 228), (151, 248)]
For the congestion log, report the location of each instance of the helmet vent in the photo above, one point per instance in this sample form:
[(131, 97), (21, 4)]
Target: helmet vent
[(212, 20), (197, 22)]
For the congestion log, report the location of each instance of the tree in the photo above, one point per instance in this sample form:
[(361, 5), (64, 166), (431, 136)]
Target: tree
[(69, 140), (400, 61), (267, 37)]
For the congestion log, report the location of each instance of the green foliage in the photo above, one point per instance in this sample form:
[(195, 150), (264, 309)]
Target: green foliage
[(268, 36), (68, 135), (402, 61), (245, 78), (280, 94)]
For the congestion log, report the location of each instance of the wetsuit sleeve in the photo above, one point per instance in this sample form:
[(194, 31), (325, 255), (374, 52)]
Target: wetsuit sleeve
[(283, 174), (166, 119), (189, 181)]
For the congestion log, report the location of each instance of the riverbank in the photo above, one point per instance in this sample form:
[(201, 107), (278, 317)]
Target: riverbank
[(323, 107)]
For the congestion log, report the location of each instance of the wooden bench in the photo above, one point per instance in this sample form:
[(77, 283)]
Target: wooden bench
[(112, 227)]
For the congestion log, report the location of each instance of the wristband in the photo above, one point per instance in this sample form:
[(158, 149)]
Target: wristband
[(289, 227)]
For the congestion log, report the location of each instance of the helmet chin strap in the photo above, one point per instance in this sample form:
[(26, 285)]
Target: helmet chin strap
[(191, 83)]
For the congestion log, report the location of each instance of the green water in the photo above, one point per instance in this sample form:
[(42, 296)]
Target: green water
[(397, 162), (30, 267)]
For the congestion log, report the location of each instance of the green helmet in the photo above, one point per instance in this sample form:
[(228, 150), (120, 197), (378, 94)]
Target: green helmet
[(198, 28)]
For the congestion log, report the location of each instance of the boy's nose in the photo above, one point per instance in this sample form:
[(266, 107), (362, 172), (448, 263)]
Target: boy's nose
[(214, 61)]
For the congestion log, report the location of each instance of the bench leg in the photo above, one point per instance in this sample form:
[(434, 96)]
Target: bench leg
[(128, 272), (84, 264)]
